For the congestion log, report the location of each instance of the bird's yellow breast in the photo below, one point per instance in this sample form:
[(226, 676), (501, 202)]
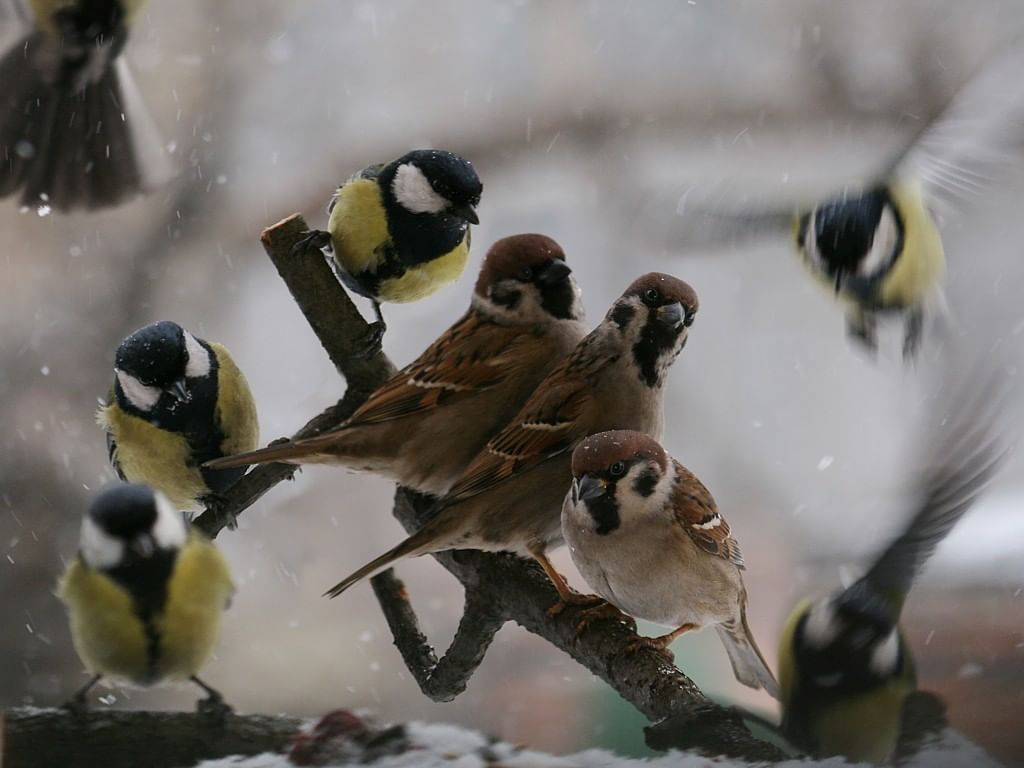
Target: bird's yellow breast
[(43, 11), (424, 279), (863, 728), (157, 457), (110, 636), (921, 264), (358, 224), (236, 408)]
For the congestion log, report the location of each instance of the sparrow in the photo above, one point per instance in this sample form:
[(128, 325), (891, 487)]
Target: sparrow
[(74, 132), (509, 497), (424, 425), (845, 668), (399, 231), (647, 536), (176, 402), (144, 594)]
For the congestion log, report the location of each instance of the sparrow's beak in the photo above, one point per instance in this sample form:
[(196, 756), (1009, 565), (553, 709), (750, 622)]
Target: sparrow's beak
[(180, 390), (555, 272), (671, 315), (592, 487), (464, 212), (143, 545)]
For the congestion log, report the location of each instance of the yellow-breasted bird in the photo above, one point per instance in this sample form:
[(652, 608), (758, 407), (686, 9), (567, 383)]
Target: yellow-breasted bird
[(399, 231), (845, 669), (73, 130), (877, 244), (145, 593), (177, 401)]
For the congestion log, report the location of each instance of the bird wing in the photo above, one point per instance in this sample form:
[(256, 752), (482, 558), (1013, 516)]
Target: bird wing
[(698, 515), (979, 131), (967, 455), (472, 356), (547, 425)]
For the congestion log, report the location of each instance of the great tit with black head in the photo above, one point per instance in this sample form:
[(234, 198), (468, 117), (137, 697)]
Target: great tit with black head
[(73, 130), (177, 401), (877, 244), (399, 231), (845, 669), (145, 594)]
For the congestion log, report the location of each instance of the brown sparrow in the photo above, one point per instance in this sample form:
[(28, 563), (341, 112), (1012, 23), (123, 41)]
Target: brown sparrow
[(509, 498), (424, 425), (647, 536)]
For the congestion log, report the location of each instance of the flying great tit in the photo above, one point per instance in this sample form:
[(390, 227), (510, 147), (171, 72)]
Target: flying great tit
[(73, 130), (399, 231), (145, 593), (845, 669), (877, 244), (177, 401)]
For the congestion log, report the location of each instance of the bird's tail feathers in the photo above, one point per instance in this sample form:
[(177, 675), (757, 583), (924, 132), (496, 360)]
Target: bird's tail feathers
[(748, 663), (422, 542), (71, 147)]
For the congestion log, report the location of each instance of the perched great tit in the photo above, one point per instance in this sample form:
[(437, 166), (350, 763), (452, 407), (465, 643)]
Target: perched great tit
[(876, 244), (145, 593), (400, 231), (73, 130), (177, 401), (845, 669)]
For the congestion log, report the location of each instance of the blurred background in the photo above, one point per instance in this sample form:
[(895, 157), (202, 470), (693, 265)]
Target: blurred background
[(596, 124)]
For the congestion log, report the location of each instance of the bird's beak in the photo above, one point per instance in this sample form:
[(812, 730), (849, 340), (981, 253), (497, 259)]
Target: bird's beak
[(180, 390), (464, 212), (555, 272), (839, 281), (592, 487), (671, 315)]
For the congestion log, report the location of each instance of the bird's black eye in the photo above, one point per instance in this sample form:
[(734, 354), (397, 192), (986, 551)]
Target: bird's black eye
[(618, 469), (690, 317), (652, 296), (526, 273)]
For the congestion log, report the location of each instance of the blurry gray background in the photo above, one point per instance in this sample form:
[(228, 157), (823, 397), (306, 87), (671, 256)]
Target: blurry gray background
[(594, 124)]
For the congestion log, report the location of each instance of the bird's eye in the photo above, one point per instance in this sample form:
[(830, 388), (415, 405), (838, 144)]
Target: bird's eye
[(652, 296), (690, 317), (526, 273), (618, 469)]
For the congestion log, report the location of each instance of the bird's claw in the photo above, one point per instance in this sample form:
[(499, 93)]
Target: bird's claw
[(655, 644), (214, 707), (311, 239), (371, 342), (574, 599), (600, 612)]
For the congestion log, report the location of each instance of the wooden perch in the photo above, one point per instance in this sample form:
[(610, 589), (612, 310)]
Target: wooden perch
[(54, 738)]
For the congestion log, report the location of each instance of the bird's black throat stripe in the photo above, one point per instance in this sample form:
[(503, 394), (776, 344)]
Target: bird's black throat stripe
[(146, 580), (605, 511), (649, 352)]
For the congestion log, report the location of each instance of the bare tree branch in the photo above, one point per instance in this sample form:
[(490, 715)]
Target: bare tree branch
[(498, 587)]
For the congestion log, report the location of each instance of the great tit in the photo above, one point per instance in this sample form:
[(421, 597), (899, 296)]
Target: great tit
[(73, 130), (400, 231), (144, 594), (845, 669), (876, 244), (177, 401)]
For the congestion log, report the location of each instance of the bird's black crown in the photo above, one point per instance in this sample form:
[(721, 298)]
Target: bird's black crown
[(451, 176), (125, 511), (155, 355)]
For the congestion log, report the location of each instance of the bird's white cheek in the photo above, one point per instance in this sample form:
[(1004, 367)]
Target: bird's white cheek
[(139, 395), (885, 655), (99, 549), (169, 531), (882, 246), (414, 193), (198, 364), (821, 627)]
